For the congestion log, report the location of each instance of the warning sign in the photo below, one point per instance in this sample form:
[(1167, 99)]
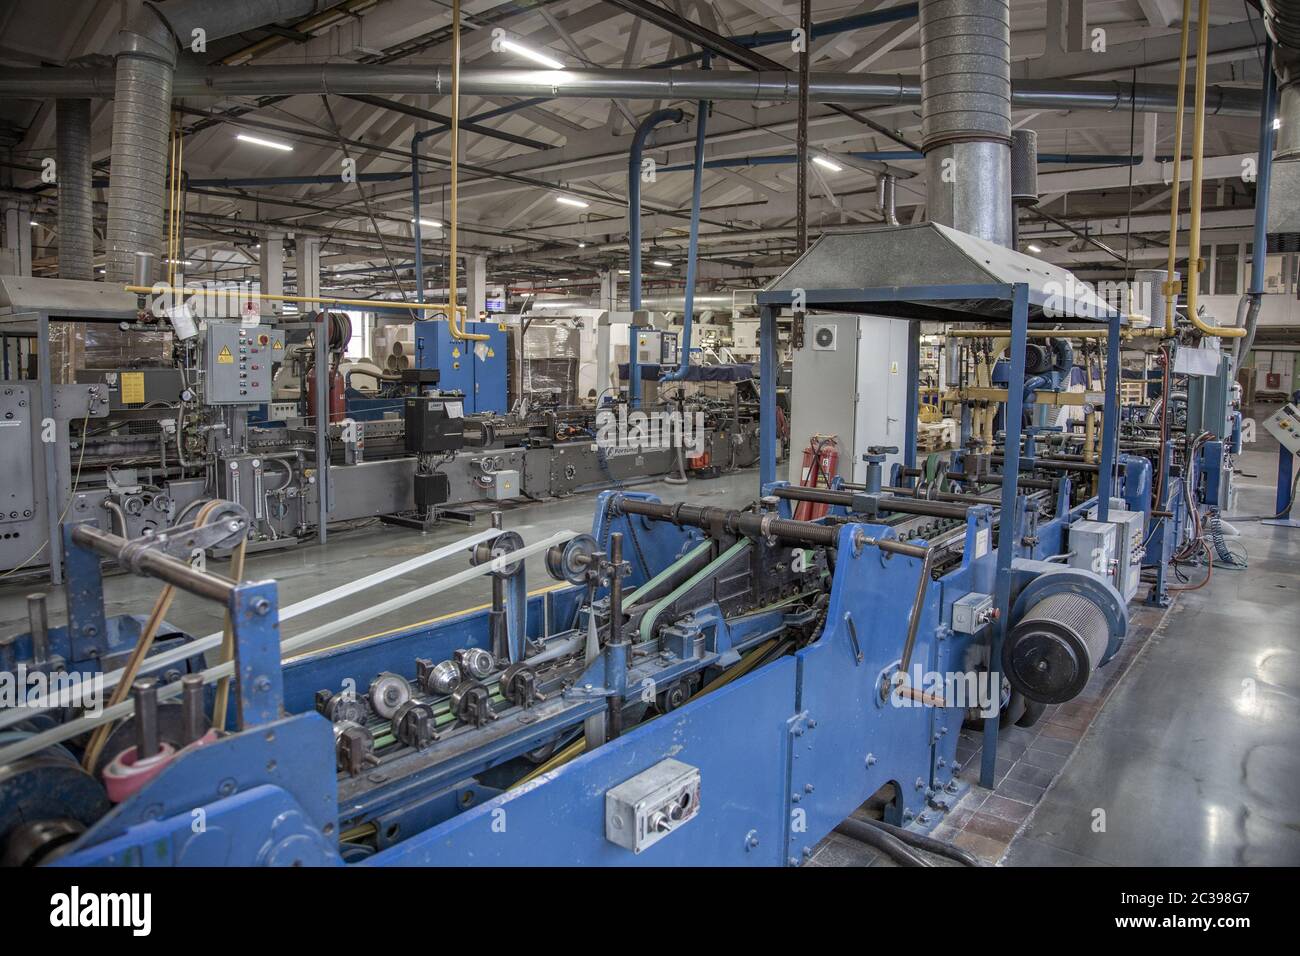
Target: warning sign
[(132, 388), (224, 357), (455, 353), (277, 344)]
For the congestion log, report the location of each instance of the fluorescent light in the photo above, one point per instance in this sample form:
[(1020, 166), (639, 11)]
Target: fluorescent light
[(1033, 248), (623, 272), (1277, 122), (431, 223), (180, 262), (582, 245), (663, 263), (258, 141), (531, 54), (570, 201), (825, 163), (35, 223)]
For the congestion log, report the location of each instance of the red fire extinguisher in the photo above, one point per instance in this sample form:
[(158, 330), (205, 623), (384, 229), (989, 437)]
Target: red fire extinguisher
[(820, 460), (338, 402)]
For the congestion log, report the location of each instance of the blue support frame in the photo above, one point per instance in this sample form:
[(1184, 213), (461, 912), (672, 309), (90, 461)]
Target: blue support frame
[(1020, 296)]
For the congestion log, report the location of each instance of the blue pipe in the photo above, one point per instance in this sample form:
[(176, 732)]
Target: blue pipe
[(634, 238), (888, 155), (693, 248), (908, 11)]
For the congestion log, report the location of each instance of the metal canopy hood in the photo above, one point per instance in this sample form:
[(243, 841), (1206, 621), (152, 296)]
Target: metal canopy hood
[(21, 297), (838, 268)]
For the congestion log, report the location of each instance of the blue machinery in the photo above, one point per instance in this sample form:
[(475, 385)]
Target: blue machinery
[(737, 674)]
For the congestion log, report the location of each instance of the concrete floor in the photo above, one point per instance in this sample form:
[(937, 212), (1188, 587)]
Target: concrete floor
[(310, 569), (1194, 758)]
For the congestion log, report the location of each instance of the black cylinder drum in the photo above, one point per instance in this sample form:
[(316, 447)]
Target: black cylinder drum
[(1053, 650)]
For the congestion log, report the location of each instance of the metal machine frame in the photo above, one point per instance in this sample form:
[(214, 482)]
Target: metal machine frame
[(1020, 296)]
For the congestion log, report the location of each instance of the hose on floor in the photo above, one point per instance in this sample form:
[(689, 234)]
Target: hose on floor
[(886, 843)]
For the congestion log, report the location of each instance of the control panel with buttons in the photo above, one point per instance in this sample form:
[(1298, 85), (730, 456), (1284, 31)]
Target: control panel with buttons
[(237, 362), (1284, 425)]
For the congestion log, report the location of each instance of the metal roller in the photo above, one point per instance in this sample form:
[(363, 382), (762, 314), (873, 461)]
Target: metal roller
[(1054, 648)]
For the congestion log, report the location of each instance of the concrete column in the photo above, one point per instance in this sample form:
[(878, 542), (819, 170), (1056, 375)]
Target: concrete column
[(307, 259), (271, 271), (476, 286), (17, 236)]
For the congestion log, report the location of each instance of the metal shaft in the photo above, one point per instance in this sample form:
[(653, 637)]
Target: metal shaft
[(145, 694), (908, 505), (154, 563), (194, 722), (38, 619)]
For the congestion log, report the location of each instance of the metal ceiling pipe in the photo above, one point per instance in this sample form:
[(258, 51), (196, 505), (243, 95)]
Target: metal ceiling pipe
[(76, 202), (142, 98), (775, 86), (885, 202), (966, 115)]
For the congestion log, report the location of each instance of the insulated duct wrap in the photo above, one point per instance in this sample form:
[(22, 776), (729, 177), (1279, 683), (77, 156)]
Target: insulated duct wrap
[(76, 203), (141, 117), (1054, 648)]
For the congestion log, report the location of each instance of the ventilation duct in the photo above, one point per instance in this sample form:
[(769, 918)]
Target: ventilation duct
[(856, 89), (76, 203), (885, 203), (966, 115), (142, 96)]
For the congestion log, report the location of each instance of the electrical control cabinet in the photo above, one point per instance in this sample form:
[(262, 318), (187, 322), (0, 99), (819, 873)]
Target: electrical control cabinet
[(1284, 425), (1130, 532), (476, 369), (850, 381), (649, 346), (1092, 547), (670, 349), (237, 362)]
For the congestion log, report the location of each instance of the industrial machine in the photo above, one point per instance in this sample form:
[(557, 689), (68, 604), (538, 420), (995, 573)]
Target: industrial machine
[(736, 674), (230, 413)]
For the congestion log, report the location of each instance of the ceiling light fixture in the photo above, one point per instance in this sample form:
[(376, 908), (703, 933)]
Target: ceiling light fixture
[(431, 223), (531, 54), (825, 163), (1033, 248), (570, 201), (663, 263), (258, 141)]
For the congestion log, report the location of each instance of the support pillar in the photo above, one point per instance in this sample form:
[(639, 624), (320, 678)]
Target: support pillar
[(271, 271)]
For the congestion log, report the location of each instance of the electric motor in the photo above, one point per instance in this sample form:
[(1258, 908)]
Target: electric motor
[(1054, 648)]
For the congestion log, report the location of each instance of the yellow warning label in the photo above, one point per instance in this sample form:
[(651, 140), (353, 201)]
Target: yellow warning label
[(277, 344), (455, 353), (132, 388), (224, 357)]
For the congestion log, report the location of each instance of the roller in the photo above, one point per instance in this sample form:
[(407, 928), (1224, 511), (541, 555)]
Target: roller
[(1054, 648)]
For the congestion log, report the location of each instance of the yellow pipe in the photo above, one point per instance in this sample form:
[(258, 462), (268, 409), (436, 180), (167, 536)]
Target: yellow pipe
[(1198, 148), (269, 297), (1054, 333), (1172, 287), (452, 326)]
